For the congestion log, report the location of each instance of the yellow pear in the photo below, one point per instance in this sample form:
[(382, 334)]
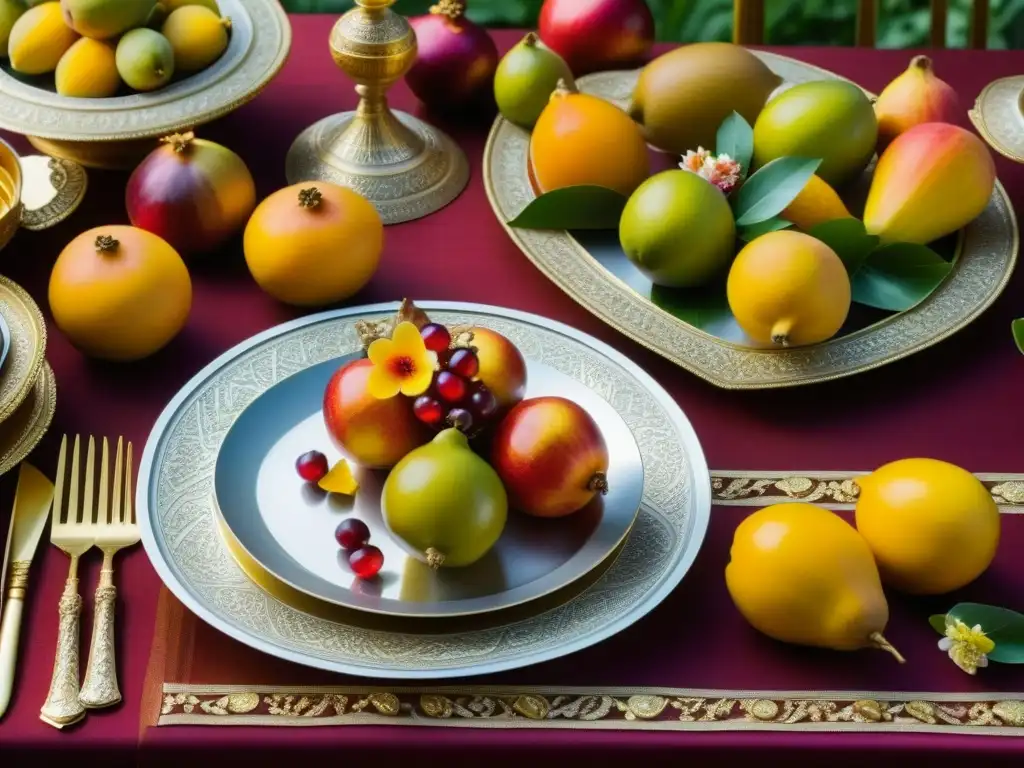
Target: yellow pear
[(801, 574)]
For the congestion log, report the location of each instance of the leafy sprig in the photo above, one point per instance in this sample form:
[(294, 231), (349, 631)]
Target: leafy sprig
[(1003, 627)]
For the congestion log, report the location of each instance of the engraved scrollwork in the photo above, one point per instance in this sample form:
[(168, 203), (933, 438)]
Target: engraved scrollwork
[(62, 706), (100, 688)]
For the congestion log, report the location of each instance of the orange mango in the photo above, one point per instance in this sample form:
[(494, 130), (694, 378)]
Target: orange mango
[(931, 180)]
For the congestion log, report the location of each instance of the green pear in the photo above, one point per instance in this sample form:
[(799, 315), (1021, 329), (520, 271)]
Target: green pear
[(525, 79)]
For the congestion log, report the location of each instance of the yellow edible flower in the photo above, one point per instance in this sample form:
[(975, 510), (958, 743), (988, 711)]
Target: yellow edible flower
[(340, 480), (967, 646), (400, 364)]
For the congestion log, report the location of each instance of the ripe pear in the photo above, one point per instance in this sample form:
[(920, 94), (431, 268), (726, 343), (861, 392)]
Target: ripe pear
[(916, 96), (803, 575), (525, 79)]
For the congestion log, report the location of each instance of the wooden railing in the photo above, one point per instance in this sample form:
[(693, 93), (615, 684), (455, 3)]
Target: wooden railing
[(748, 23)]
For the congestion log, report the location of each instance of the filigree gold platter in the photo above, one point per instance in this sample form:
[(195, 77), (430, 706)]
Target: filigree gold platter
[(25, 358), (118, 131), (998, 114), (288, 527), (22, 431), (593, 271), (200, 560)]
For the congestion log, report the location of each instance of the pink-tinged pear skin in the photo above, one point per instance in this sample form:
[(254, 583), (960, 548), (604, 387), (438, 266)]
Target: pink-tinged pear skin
[(917, 96), (931, 181)]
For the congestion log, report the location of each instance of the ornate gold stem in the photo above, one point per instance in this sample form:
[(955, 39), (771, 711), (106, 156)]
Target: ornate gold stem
[(62, 706), (100, 688)]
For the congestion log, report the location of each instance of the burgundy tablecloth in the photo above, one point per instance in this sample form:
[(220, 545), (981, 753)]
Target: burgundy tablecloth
[(959, 401)]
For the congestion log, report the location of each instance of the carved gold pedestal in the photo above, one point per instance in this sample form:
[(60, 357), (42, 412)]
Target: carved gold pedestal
[(404, 166)]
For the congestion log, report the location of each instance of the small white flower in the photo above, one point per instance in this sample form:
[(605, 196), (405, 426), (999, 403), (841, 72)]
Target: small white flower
[(966, 646)]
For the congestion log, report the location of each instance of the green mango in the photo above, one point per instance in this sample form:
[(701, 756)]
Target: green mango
[(104, 19)]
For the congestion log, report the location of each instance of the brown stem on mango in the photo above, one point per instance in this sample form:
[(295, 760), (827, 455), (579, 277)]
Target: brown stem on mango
[(435, 559), (309, 198), (598, 483), (780, 332), (878, 641), (453, 9), (564, 89), (106, 244), (179, 141), (921, 62)]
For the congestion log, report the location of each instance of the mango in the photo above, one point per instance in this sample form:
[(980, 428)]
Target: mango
[(145, 59), (197, 35), (682, 97), (931, 180), (828, 119), (10, 11), (815, 204), (170, 6), (104, 19), (88, 70), (38, 39)]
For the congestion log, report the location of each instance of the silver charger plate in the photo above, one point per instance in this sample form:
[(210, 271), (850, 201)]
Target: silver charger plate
[(182, 537), (287, 525)]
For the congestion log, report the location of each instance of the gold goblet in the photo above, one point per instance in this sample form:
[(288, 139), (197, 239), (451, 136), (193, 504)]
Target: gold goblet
[(404, 166)]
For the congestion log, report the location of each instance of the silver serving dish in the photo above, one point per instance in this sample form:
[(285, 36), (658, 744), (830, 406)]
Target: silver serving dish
[(201, 561)]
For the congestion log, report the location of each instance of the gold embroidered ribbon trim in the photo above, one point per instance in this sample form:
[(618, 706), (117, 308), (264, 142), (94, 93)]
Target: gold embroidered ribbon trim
[(991, 714)]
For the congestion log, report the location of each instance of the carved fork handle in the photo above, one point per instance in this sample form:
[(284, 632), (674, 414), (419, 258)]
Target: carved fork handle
[(62, 706), (100, 687)]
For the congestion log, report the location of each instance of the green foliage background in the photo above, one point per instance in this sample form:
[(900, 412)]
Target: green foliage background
[(902, 23)]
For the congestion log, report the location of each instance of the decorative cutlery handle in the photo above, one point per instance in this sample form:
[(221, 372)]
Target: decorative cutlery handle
[(100, 687), (10, 626), (62, 706)]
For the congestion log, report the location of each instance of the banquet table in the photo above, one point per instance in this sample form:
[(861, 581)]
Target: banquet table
[(959, 401)]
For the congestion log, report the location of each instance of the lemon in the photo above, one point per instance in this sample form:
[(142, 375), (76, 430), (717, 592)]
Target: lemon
[(932, 526)]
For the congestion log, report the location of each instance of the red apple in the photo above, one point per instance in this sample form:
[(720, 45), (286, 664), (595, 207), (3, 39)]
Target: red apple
[(374, 433), (551, 456), (502, 367), (597, 34)]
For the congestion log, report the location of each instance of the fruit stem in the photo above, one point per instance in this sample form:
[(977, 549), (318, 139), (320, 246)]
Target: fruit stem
[(780, 332), (179, 141), (226, 23), (453, 9), (106, 244), (435, 559), (309, 198), (563, 89), (598, 483), (531, 39), (921, 62), (878, 640)]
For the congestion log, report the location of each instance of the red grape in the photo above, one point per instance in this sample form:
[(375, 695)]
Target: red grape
[(366, 562), (311, 466), (461, 419), (352, 533), (464, 362), (435, 337), (427, 410), (483, 403), (451, 387)]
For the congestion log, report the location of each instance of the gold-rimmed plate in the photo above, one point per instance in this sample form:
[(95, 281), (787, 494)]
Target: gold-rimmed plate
[(21, 432), (288, 526), (592, 269), (27, 349), (998, 114), (181, 530)]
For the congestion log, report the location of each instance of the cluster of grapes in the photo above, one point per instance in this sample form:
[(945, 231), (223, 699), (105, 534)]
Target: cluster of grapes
[(454, 399)]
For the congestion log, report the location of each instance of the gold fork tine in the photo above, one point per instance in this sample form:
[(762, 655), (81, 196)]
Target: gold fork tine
[(116, 506), (73, 508), (88, 513), (102, 510), (128, 516), (58, 489)]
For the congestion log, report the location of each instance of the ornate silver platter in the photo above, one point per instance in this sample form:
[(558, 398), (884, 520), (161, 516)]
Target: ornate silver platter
[(593, 270), (215, 579), (998, 114), (287, 526)]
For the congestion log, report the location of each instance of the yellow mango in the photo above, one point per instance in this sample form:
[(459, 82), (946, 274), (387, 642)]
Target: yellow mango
[(198, 36), (816, 203), (88, 70), (38, 39)]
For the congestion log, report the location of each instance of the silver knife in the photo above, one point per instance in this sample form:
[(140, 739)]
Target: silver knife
[(32, 502)]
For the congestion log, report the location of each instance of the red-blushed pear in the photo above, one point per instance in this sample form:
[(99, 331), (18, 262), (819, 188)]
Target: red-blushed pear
[(932, 180), (375, 433), (916, 96)]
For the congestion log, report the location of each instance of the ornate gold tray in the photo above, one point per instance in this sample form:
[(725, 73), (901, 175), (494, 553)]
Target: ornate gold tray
[(998, 115), (24, 429), (28, 346), (988, 252), (116, 132), (203, 565)]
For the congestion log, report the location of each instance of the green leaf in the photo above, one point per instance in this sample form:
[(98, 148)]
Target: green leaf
[(899, 276), (580, 207), (1017, 327), (938, 622), (766, 193), (735, 138), (848, 239), (1004, 627), (700, 307), (754, 231)]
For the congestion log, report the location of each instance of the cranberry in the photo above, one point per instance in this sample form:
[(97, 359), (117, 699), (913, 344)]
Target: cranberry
[(451, 387), (366, 562), (435, 337), (352, 533), (464, 362), (311, 466)]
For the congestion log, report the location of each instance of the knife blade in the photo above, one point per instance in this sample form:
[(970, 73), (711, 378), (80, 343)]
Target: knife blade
[(32, 501)]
